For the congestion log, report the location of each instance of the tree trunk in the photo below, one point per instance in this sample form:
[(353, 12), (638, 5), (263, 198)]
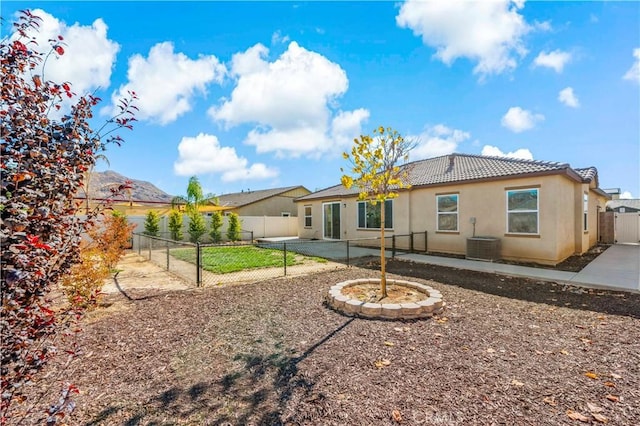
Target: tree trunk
[(383, 261)]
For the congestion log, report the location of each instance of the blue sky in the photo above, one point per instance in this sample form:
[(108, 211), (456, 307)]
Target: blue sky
[(255, 95)]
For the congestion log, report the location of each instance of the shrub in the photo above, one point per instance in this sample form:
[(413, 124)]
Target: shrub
[(197, 226), (175, 225), (43, 165), (113, 238), (152, 223), (233, 231), (216, 224)]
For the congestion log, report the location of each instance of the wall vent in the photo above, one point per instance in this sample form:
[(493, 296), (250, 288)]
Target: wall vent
[(483, 248)]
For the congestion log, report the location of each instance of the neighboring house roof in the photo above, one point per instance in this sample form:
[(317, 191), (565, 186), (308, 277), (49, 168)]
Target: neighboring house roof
[(456, 168), (631, 204), (240, 199)]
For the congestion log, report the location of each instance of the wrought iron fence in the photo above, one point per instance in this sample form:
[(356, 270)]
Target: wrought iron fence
[(215, 264)]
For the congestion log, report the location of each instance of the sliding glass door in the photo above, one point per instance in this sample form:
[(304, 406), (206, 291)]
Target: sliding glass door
[(331, 221)]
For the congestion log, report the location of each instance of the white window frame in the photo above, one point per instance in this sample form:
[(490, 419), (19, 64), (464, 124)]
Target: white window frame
[(308, 217), (367, 203), (585, 211), (456, 213), (536, 211)]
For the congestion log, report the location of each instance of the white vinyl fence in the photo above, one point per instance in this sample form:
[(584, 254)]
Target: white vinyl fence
[(260, 226)]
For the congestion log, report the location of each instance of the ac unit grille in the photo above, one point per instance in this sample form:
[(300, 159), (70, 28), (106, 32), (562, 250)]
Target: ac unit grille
[(483, 248)]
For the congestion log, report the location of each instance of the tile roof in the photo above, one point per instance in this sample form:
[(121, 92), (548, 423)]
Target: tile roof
[(239, 199), (456, 168)]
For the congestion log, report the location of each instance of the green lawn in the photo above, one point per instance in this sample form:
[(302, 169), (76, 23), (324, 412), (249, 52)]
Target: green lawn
[(223, 260)]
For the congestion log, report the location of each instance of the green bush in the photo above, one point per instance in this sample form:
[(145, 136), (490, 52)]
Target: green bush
[(216, 224), (152, 223), (233, 231), (197, 226), (175, 225)]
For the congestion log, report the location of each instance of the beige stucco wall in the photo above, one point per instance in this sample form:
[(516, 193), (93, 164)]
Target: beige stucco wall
[(274, 206), (560, 218)]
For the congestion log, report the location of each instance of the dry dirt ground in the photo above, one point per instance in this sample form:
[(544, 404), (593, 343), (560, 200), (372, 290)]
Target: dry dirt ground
[(507, 350)]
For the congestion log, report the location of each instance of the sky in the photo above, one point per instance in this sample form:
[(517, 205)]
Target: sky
[(258, 95)]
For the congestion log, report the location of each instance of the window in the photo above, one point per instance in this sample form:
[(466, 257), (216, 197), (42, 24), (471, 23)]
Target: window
[(307, 216), (585, 210), (369, 215), (447, 206), (285, 214), (522, 211)]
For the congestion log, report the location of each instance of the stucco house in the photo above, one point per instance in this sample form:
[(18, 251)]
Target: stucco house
[(540, 211), (265, 202)]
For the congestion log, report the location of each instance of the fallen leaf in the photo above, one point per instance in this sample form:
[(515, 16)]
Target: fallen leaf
[(593, 408), (397, 329), (573, 415), (612, 398), (438, 335), (491, 350), (382, 363), (564, 352), (550, 400), (442, 320), (591, 375), (585, 340), (397, 417), (616, 376), (389, 344), (517, 383), (601, 317), (610, 384), (600, 418)]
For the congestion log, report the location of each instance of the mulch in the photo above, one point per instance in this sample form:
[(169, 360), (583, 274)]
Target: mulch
[(507, 350)]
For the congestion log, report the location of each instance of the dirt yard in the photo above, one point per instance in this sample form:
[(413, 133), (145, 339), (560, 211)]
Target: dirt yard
[(506, 351)]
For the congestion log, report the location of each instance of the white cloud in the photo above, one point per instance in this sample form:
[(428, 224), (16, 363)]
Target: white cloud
[(626, 195), (277, 37), (518, 120), (567, 97), (89, 55), (556, 60), (437, 140), (204, 154), (166, 82), (489, 32), (291, 101), (633, 73), (494, 151)]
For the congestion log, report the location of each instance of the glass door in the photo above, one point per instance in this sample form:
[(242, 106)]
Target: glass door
[(331, 221)]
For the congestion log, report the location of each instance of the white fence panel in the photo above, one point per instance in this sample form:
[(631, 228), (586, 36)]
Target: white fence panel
[(261, 226)]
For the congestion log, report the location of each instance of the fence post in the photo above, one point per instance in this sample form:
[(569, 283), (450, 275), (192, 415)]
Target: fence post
[(167, 254), (425, 242), (393, 246), (348, 253), (139, 243), (198, 272), (251, 236), (150, 244), (411, 242), (285, 258)]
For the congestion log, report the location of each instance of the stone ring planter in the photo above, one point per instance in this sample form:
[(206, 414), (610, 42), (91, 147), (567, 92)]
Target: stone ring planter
[(430, 305)]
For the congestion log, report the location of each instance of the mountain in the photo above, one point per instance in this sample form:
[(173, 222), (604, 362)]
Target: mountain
[(140, 190)]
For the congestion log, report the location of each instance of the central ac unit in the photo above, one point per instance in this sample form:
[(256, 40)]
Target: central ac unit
[(483, 248)]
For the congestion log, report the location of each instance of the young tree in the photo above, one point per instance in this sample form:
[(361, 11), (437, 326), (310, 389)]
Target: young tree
[(152, 223), (216, 224), (375, 171), (233, 231), (175, 224), (42, 161), (197, 225)]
